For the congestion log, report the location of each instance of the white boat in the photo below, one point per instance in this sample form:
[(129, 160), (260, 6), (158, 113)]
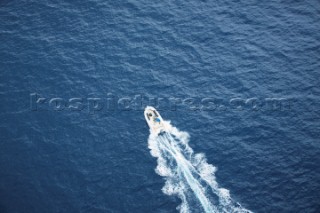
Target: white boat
[(154, 120)]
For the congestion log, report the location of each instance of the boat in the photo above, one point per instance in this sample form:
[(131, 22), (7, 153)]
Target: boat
[(154, 120)]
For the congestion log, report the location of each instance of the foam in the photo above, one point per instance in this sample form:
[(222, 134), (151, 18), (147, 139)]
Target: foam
[(188, 175)]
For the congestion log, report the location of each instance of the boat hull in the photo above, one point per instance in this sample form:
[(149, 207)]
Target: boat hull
[(154, 120)]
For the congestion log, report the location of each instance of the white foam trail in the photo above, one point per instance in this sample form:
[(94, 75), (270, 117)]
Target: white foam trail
[(188, 175)]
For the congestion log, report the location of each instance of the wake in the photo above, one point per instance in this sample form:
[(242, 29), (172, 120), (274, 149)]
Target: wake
[(188, 175)]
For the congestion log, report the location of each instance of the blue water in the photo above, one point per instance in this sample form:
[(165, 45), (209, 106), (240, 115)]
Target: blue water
[(83, 161)]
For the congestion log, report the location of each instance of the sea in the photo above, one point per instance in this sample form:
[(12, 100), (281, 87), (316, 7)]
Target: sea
[(238, 82)]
